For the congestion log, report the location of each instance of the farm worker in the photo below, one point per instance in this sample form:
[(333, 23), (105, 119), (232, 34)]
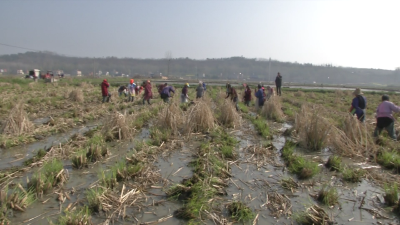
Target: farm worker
[(166, 92), (131, 91), (384, 117), (160, 88), (199, 91), (227, 87), (278, 83), (184, 95), (234, 96), (204, 86), (148, 94), (264, 94), (260, 96), (121, 90), (270, 92), (247, 95), (358, 105), (104, 91)]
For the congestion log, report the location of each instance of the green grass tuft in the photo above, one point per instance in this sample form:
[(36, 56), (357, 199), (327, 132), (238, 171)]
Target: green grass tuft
[(391, 194), (334, 163), (353, 175), (240, 211), (328, 195)]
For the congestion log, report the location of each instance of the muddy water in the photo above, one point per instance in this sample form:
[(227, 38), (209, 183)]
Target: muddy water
[(251, 184), (15, 156)]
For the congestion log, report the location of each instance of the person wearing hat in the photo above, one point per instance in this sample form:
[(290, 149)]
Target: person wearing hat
[(104, 91), (131, 90), (184, 95), (358, 105), (148, 94), (199, 90), (384, 117)]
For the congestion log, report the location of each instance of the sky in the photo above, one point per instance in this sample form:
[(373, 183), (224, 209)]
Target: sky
[(350, 33)]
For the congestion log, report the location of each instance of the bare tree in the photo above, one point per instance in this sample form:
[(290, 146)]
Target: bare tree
[(168, 57)]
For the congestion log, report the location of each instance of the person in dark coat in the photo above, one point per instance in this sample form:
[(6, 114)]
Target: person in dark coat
[(234, 97), (278, 83), (104, 91), (247, 95), (358, 105), (148, 94)]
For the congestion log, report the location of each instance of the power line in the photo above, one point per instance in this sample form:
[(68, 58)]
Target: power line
[(20, 47)]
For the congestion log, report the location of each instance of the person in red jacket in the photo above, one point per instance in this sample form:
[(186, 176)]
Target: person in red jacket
[(148, 94), (104, 91)]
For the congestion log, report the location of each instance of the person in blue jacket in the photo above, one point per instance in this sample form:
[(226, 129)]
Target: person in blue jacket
[(260, 96), (204, 86)]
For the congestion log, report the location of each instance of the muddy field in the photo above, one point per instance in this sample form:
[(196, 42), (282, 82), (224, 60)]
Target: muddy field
[(66, 158)]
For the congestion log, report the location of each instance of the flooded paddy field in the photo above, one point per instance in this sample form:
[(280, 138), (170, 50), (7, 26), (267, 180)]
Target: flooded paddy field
[(74, 160)]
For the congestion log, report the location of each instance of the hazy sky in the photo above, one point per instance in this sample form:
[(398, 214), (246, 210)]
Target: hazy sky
[(342, 32)]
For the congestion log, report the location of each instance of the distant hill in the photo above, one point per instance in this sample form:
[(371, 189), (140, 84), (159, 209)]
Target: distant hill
[(234, 68)]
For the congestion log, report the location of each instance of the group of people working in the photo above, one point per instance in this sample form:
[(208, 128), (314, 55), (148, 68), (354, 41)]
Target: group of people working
[(384, 113), (165, 91)]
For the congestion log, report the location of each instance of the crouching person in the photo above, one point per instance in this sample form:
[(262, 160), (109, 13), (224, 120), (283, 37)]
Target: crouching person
[(384, 117)]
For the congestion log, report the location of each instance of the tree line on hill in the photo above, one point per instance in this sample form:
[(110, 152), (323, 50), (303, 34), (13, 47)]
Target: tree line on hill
[(233, 68)]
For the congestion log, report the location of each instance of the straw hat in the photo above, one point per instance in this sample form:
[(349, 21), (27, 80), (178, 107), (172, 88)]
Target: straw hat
[(357, 92)]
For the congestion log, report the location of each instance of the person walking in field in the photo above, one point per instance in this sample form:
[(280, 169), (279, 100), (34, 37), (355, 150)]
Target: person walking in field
[(184, 95), (204, 86), (148, 94), (199, 91), (384, 117), (260, 96), (104, 91), (166, 93), (278, 84), (358, 105), (131, 90), (234, 97), (247, 96)]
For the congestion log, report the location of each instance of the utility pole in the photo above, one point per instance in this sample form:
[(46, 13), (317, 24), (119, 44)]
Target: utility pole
[(269, 70)]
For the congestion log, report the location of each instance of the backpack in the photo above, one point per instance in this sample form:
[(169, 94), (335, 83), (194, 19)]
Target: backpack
[(361, 102)]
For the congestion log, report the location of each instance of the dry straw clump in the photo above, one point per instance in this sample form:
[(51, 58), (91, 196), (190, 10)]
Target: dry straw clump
[(117, 127), (299, 94), (171, 117), (18, 122), (312, 128), (200, 118), (229, 116), (76, 95), (352, 139), (273, 109)]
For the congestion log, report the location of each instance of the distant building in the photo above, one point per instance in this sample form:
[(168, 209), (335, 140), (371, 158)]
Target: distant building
[(20, 72), (78, 73), (164, 78)]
